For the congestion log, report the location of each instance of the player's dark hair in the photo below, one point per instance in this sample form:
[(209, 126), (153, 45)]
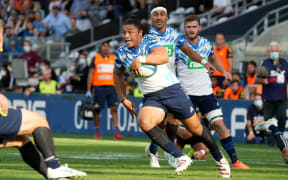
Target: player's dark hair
[(46, 62), (160, 4), (252, 63), (145, 27), (192, 18)]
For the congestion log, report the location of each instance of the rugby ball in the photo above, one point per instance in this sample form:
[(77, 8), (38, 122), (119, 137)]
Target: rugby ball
[(147, 70)]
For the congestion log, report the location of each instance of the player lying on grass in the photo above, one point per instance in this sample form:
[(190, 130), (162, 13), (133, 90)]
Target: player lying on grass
[(270, 126), (162, 93), (16, 124)]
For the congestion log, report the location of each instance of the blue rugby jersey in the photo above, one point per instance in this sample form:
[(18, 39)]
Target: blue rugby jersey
[(192, 75), (170, 39), (162, 77)]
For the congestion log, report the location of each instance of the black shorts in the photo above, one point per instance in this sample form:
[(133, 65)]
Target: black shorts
[(192, 141), (10, 123)]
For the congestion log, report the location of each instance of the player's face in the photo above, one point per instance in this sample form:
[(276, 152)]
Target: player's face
[(159, 19), (131, 35), (192, 29)]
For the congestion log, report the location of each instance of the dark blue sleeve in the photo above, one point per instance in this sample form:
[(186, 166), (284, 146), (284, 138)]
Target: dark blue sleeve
[(92, 64)]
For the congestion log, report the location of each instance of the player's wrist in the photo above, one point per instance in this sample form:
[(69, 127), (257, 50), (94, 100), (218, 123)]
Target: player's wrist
[(251, 132), (142, 59), (204, 61)]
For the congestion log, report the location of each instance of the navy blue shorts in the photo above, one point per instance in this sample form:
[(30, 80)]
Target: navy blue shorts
[(10, 123), (171, 99), (205, 103), (105, 93)]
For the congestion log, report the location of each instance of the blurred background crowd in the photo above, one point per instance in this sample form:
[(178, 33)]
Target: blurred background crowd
[(30, 24)]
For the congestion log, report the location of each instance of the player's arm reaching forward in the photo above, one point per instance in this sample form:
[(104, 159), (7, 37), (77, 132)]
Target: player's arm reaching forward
[(219, 67), (196, 57)]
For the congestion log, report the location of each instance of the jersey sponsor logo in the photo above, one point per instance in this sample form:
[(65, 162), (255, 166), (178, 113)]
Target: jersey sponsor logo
[(194, 65), (169, 48)]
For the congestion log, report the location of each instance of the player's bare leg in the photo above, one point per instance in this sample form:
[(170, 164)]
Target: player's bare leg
[(149, 117), (194, 126), (33, 123)]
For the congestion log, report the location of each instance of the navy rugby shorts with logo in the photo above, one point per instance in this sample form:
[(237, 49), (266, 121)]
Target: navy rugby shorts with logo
[(205, 103), (10, 124), (105, 93), (171, 99)]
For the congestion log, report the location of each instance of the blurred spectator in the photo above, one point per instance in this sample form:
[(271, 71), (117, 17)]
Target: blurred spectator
[(274, 86), (37, 8), (46, 86), (79, 81), (234, 91), (66, 6), (21, 23), (101, 78), (66, 76), (223, 7), (250, 78), (6, 79), (11, 6), (83, 22), (255, 115), (251, 73), (14, 48), (74, 29), (9, 36), (96, 12), (237, 76), (28, 32), (217, 90), (45, 65), (58, 21), (31, 57), (36, 40), (79, 5), (54, 3), (226, 56), (38, 23)]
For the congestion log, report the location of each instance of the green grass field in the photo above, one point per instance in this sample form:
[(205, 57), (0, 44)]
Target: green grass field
[(108, 159)]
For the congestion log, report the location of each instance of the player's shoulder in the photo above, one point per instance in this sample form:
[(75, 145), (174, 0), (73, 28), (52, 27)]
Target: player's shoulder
[(121, 50), (172, 31), (205, 41)]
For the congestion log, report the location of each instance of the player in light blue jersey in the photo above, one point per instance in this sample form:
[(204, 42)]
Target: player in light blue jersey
[(196, 81), (162, 93), (171, 39)]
